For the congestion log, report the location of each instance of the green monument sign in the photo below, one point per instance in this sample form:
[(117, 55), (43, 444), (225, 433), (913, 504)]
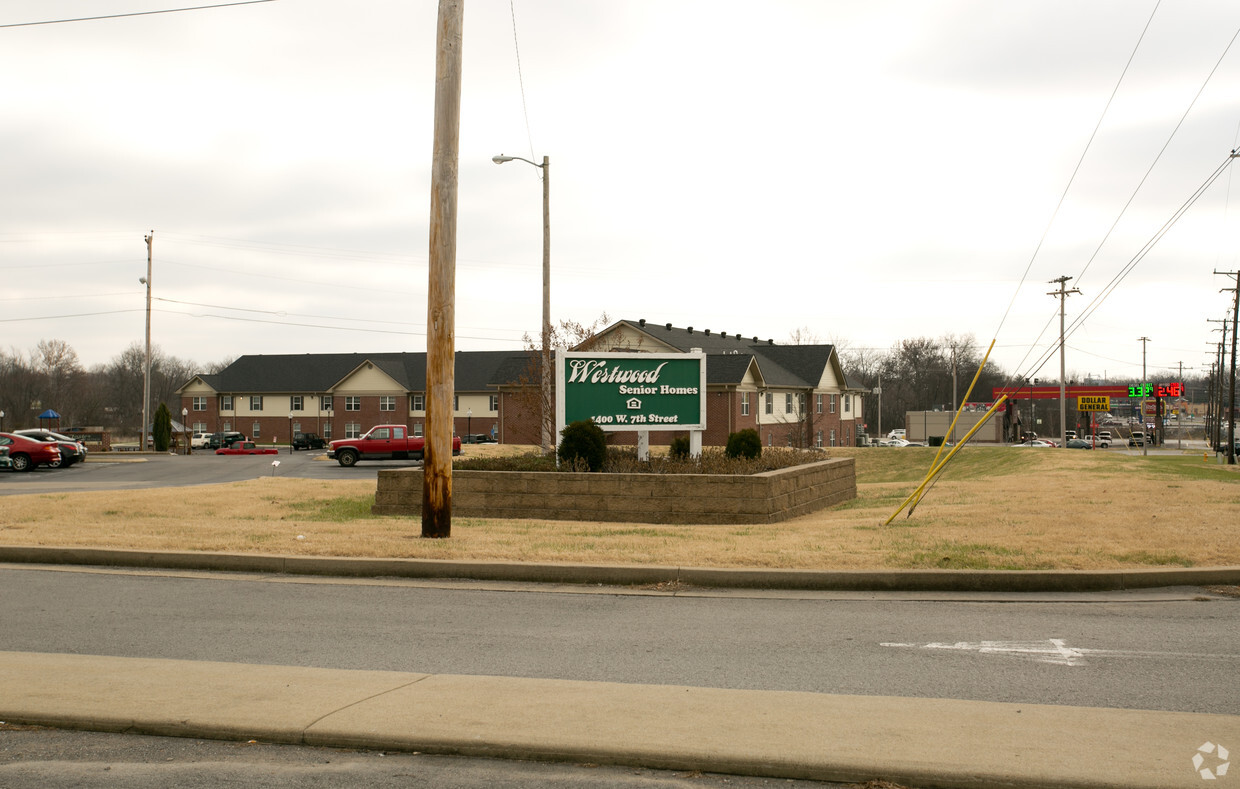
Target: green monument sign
[(632, 391)]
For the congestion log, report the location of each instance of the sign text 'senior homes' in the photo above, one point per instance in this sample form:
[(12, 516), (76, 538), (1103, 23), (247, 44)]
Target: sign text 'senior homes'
[(632, 391)]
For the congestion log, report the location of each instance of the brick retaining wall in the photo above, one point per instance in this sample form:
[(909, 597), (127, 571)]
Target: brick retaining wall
[(769, 497)]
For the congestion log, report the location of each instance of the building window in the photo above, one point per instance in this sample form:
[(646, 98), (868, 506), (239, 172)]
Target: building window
[(847, 402), (297, 427), (327, 431), (495, 402), (352, 430), (226, 402), (818, 404), (200, 427), (417, 429), (788, 403), (326, 403), (387, 402), (417, 402), (818, 439), (833, 403), (227, 427), (256, 402), (200, 404), (352, 403), (832, 436), (296, 403), (770, 409), (744, 403), (256, 429)]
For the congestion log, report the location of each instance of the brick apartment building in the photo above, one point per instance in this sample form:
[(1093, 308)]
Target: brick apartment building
[(793, 395)]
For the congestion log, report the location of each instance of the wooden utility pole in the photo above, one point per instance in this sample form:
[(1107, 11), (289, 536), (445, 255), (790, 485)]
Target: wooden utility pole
[(441, 293), (1062, 293), (1231, 384)]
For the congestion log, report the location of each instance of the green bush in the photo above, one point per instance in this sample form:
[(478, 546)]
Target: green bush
[(679, 449), (583, 446), (744, 444)]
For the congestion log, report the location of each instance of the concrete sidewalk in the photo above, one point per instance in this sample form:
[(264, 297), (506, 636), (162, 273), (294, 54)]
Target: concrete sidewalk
[(919, 742)]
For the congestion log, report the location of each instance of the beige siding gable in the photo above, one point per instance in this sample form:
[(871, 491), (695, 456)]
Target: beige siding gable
[(368, 379), (197, 387), (623, 337)]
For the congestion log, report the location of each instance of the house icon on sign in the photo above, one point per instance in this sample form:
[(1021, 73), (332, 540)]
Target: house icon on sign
[(633, 403)]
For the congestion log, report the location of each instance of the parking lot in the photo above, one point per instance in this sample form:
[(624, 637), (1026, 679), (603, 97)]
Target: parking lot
[(136, 471)]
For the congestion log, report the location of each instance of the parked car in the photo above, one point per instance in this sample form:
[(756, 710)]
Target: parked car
[(4, 458), (1080, 443), (308, 441), (477, 438), (1034, 442), (219, 440), (897, 433), (71, 450), (1136, 439), (200, 441), (246, 448), (27, 454)]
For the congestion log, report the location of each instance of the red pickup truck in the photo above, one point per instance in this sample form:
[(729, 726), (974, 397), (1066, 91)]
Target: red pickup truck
[(382, 442)]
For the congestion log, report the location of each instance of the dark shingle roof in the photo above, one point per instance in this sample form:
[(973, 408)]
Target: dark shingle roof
[(319, 372), (780, 365)]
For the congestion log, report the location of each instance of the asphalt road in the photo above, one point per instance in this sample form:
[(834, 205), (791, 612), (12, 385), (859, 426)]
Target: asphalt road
[(1112, 651), (134, 471)]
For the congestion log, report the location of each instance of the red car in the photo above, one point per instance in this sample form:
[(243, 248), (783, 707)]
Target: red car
[(246, 448), (26, 454)]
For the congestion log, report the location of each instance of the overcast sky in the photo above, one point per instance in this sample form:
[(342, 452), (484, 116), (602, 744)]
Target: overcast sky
[(866, 171)]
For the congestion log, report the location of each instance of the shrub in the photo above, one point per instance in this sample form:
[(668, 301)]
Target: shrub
[(679, 449), (583, 444), (744, 444)]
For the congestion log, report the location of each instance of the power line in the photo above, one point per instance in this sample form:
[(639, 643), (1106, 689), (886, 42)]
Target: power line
[(135, 13)]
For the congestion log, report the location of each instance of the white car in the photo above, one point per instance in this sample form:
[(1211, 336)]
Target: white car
[(1036, 442), (200, 440), (897, 433)]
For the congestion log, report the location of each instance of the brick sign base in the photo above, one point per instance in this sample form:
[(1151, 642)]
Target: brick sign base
[(769, 497)]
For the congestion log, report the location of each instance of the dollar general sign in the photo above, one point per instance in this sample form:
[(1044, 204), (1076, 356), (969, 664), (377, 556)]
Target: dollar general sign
[(1093, 403)]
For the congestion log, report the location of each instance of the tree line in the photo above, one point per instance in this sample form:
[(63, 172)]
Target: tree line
[(107, 396), (917, 375)]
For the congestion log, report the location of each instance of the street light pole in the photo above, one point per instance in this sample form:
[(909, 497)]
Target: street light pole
[(146, 370), (546, 295), (290, 432), (1145, 442), (469, 423), (184, 432)]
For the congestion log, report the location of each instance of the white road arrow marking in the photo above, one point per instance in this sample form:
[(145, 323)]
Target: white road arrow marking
[(1052, 650)]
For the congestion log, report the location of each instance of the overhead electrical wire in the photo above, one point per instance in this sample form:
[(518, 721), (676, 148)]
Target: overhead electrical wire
[(1098, 300), (135, 13), (1072, 178)]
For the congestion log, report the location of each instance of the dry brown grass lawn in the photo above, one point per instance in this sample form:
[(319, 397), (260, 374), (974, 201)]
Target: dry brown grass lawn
[(997, 508)]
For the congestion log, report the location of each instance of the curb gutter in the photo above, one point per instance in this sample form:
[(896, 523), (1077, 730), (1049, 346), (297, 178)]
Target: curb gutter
[(626, 575)]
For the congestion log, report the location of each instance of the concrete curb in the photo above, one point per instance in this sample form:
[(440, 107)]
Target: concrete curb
[(635, 575)]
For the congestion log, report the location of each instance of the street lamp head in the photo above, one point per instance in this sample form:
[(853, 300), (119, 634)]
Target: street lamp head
[(501, 159), (142, 280)]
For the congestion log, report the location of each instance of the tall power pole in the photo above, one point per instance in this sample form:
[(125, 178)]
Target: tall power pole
[(146, 369), (441, 292), (1063, 395), (1231, 385), (1145, 442)]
